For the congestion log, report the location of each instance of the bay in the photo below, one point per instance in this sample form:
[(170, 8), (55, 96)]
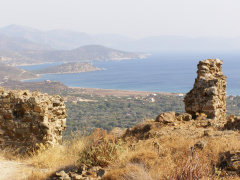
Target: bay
[(165, 72)]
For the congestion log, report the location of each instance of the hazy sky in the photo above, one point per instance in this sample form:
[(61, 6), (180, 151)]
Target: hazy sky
[(134, 18)]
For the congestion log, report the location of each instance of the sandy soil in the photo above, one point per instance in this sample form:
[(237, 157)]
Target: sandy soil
[(113, 92), (12, 170)]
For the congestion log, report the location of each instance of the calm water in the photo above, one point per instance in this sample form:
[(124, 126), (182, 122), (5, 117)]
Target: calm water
[(158, 73)]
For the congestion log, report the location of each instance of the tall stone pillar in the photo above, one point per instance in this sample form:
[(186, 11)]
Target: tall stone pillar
[(208, 95)]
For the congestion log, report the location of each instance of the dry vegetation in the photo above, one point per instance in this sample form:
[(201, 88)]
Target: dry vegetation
[(173, 159), (46, 161), (168, 155)]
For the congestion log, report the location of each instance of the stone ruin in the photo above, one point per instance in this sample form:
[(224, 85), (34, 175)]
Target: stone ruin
[(30, 118), (208, 96)]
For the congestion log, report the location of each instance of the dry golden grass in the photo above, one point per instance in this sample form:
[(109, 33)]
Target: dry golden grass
[(173, 157), (48, 160), (169, 156), (59, 156)]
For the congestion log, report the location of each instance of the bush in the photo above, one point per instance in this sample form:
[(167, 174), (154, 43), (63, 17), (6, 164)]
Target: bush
[(101, 149)]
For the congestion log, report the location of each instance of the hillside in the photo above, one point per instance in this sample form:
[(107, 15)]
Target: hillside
[(11, 73), (68, 68), (19, 44), (14, 50), (86, 53)]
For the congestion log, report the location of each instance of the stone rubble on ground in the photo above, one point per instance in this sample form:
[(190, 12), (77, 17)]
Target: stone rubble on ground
[(83, 173), (230, 161)]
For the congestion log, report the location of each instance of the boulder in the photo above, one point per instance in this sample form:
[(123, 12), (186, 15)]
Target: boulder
[(165, 118)]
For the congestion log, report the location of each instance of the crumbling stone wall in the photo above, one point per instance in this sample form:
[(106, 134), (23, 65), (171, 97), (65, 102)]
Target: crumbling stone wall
[(27, 118), (208, 96)]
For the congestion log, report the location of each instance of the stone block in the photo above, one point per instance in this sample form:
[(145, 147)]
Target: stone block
[(6, 100), (37, 109), (22, 130), (26, 107)]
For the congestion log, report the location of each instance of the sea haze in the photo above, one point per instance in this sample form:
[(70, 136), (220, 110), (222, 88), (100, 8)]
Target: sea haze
[(168, 72)]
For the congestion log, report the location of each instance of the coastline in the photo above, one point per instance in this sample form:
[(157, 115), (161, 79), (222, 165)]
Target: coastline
[(144, 56), (99, 69)]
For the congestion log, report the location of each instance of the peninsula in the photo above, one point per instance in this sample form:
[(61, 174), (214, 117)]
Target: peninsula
[(69, 68)]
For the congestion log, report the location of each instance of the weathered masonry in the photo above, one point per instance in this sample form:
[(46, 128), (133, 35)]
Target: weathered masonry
[(27, 118), (208, 95)]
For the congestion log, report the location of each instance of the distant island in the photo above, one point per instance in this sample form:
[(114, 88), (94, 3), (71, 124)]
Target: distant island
[(69, 68)]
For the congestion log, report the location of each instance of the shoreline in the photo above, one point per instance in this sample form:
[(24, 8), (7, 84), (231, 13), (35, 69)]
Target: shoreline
[(145, 55)]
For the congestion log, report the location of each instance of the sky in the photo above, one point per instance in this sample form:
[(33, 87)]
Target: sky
[(132, 18)]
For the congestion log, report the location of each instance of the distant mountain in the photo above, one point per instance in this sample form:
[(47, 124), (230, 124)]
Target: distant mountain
[(112, 40), (182, 44), (19, 51), (68, 40), (57, 39), (63, 39), (85, 53), (20, 44)]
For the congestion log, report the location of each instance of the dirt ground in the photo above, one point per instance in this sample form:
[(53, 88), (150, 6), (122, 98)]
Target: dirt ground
[(12, 170)]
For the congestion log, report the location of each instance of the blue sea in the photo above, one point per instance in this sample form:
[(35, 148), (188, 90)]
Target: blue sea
[(159, 72)]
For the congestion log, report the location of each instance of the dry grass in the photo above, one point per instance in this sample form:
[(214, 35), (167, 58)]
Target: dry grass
[(173, 157), (59, 156), (48, 160), (101, 149), (165, 157)]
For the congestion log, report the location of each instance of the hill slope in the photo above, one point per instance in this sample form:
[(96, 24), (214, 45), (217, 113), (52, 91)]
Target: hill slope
[(86, 53), (11, 73)]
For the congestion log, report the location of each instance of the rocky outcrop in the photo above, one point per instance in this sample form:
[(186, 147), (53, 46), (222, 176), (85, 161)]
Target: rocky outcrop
[(30, 118), (81, 173), (171, 117), (208, 96)]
